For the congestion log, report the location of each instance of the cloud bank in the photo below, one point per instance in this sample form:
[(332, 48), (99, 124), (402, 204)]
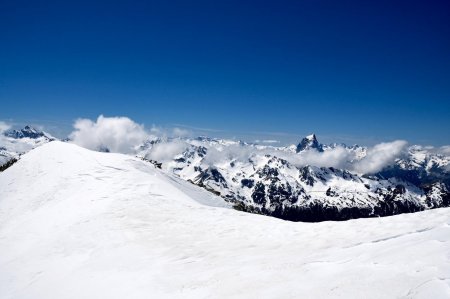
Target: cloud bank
[(267, 141), (338, 157), (380, 156), (121, 134), (445, 150), (376, 158), (4, 127), (166, 151), (115, 134)]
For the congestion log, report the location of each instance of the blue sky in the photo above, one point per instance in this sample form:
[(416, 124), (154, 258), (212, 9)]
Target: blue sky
[(350, 71)]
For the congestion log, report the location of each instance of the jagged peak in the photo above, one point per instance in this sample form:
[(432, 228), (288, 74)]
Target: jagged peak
[(311, 137), (27, 132), (309, 142)]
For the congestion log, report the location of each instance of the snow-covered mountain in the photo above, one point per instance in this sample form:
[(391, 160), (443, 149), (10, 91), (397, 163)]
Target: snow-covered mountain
[(81, 224), (285, 181), (14, 143), (28, 132), (269, 180), (420, 166), (308, 143)]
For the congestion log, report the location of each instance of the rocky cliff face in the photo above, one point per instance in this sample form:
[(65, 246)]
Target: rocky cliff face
[(309, 142)]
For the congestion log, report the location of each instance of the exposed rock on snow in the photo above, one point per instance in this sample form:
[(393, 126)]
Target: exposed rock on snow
[(269, 180), (309, 142)]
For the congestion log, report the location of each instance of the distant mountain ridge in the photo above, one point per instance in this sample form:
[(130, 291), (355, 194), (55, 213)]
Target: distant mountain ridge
[(265, 179), (28, 132), (14, 143), (271, 185)]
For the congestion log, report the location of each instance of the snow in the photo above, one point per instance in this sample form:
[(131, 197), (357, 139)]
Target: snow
[(428, 159), (311, 137), (81, 224)]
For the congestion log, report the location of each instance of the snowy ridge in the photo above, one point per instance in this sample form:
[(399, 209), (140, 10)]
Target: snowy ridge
[(81, 224)]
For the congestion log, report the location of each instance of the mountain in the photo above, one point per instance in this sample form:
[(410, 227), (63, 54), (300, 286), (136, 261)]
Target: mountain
[(81, 224), (14, 143), (267, 180), (28, 132), (270, 180), (309, 142), (421, 167)]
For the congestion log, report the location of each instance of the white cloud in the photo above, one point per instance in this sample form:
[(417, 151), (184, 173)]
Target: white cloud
[(117, 134), (166, 151), (445, 149), (179, 132), (377, 157), (156, 130), (267, 141), (380, 156), (121, 134), (338, 157), (4, 127), (228, 153), (166, 132)]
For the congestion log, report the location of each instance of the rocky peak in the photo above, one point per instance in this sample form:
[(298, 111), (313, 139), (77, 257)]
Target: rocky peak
[(26, 132), (309, 142)]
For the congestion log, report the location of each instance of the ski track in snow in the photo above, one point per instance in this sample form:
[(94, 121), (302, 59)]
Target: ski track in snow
[(81, 224)]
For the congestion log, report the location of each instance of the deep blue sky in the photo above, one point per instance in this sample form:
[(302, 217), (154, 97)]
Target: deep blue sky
[(347, 70)]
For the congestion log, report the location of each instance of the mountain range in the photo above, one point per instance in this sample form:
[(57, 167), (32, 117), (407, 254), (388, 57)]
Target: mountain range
[(286, 182)]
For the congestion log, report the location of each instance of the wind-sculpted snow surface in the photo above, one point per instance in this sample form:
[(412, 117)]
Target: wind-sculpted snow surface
[(81, 224)]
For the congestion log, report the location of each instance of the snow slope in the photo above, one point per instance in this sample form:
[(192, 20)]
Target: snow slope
[(81, 224)]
